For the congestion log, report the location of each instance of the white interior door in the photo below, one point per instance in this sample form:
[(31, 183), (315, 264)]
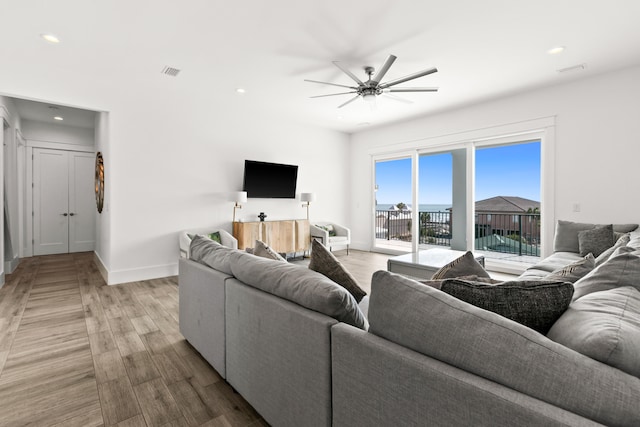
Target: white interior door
[(63, 217), (50, 202), (82, 214)]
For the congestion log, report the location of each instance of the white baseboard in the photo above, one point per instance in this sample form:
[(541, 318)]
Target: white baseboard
[(144, 273), (10, 266), (101, 267)]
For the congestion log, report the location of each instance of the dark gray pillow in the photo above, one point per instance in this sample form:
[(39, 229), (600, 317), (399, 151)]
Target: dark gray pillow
[(604, 326), (325, 263), (622, 269), (595, 241), (574, 271), (466, 265), (536, 304)]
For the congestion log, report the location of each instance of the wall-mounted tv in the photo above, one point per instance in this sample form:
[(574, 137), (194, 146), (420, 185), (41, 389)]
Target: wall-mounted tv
[(270, 180)]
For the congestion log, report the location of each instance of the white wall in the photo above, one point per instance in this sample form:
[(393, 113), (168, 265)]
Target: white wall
[(597, 146), (170, 170), (59, 133)]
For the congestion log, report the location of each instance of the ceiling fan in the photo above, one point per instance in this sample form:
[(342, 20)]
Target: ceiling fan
[(373, 87)]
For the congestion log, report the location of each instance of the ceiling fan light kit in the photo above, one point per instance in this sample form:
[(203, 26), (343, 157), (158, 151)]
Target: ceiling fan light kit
[(373, 87)]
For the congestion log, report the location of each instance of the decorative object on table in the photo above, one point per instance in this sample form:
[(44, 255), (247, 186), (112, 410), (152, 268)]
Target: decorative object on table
[(307, 198), (238, 197), (373, 87), (99, 182), (262, 216)]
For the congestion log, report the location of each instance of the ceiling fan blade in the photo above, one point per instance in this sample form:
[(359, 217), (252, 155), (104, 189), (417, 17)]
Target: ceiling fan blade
[(333, 94), (409, 77), (348, 73), (411, 89), (383, 70), (332, 84), (397, 98), (349, 101)]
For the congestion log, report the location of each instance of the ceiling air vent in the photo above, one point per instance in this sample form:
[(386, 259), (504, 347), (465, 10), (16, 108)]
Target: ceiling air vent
[(170, 71), (578, 67)]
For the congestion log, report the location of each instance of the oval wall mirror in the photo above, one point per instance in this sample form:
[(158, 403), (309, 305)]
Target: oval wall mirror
[(99, 182)]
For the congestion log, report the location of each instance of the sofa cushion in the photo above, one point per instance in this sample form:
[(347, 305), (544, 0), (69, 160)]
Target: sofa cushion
[(634, 239), (623, 240), (596, 240), (566, 234), (536, 304), (604, 326), (622, 269), (465, 265), (324, 262), (573, 272), (556, 261), (483, 343), (210, 253), (298, 284), (262, 250)]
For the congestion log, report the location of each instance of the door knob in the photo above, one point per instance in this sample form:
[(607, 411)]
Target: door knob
[(65, 214), (71, 214)]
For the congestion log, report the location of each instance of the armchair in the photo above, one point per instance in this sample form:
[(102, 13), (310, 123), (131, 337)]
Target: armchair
[(331, 234), (226, 239)]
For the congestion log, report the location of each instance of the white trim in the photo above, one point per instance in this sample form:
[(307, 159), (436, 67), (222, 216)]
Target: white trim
[(10, 266), (28, 202), (60, 146), (104, 272), (4, 113), (542, 129)]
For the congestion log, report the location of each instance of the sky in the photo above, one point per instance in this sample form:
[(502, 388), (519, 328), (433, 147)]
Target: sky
[(510, 170)]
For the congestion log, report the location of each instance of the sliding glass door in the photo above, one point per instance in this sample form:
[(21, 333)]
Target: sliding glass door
[(393, 200)]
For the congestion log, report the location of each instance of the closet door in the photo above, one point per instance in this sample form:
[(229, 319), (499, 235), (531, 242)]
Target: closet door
[(82, 204), (63, 202), (50, 202)]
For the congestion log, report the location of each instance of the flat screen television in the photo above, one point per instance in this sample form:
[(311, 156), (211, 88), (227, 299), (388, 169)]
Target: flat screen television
[(264, 180)]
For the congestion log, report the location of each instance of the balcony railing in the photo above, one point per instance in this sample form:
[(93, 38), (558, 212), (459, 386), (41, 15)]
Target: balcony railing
[(504, 233)]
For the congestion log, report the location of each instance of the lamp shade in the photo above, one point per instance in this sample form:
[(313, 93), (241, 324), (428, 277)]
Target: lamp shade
[(308, 197), (240, 197)]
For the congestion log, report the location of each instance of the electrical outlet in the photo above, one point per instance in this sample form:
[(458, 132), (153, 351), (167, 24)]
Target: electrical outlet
[(576, 207)]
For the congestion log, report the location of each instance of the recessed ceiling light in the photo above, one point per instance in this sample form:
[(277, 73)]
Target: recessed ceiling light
[(58, 118), (240, 90), (556, 50), (50, 38)]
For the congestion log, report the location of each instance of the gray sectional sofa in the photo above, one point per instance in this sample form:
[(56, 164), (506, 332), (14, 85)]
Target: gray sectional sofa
[(302, 352)]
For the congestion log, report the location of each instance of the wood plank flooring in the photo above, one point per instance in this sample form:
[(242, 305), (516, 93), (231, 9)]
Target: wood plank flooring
[(76, 352)]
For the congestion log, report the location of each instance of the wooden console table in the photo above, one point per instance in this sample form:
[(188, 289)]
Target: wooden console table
[(288, 236)]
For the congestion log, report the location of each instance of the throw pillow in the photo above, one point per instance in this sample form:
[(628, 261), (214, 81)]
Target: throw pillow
[(325, 263), (215, 236), (264, 251), (328, 228), (596, 240), (466, 265), (473, 278), (574, 271), (536, 304), (622, 269), (604, 326), (622, 240)]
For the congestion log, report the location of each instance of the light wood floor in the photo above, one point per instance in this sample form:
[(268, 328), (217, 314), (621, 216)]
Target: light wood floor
[(76, 352)]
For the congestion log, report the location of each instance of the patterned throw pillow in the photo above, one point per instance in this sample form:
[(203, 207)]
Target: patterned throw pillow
[(325, 263), (215, 236), (328, 228), (264, 251), (535, 304), (595, 241), (574, 271), (466, 265)]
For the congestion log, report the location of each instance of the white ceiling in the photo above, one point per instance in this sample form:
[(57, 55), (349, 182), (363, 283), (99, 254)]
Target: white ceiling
[(482, 49)]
